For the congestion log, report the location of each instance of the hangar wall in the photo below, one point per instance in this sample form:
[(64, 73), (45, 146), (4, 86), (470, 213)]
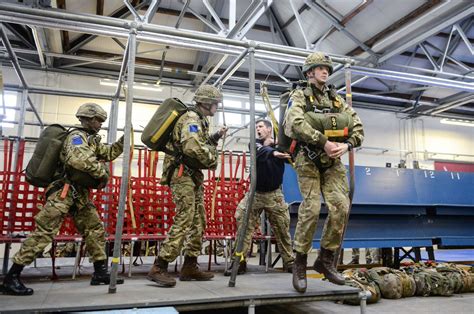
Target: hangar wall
[(389, 137)]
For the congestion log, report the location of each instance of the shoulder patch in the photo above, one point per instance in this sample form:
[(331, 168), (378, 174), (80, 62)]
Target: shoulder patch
[(77, 140), (192, 114), (290, 102), (193, 128)]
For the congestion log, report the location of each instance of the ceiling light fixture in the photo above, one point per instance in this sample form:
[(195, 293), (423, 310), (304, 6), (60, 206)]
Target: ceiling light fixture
[(140, 86), (457, 122)]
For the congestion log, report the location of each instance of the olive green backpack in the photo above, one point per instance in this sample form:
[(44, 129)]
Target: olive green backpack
[(45, 160), (157, 132)]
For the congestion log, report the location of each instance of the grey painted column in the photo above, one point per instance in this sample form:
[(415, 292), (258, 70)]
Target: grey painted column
[(253, 170), (13, 177), (126, 156)]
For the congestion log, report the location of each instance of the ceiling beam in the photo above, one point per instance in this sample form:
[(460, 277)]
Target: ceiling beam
[(349, 16), (466, 26), (303, 8), (120, 13), (20, 32), (284, 38), (322, 11), (190, 15), (422, 56), (61, 4), (424, 31), (100, 7), (397, 25)]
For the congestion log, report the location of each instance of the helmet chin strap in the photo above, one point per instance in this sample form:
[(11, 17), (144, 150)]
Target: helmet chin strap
[(206, 107), (86, 124)]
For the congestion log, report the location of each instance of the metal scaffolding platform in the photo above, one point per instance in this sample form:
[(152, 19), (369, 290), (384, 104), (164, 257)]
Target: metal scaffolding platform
[(252, 290)]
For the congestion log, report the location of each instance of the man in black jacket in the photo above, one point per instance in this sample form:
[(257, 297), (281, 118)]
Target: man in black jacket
[(268, 197)]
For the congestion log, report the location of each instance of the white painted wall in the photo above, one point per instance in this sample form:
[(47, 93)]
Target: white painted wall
[(387, 136)]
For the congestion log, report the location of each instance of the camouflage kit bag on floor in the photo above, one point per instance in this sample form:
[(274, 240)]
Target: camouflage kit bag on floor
[(429, 281), (359, 278), (389, 283), (460, 279)]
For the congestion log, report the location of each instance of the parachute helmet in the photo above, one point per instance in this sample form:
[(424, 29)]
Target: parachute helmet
[(207, 94), (91, 110), (317, 59)]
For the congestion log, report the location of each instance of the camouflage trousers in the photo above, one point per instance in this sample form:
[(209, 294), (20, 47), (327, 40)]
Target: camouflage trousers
[(332, 183), (371, 255), (49, 221), (277, 212), (190, 219)]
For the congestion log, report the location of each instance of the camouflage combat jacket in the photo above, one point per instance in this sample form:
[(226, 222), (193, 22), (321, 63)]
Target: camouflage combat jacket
[(191, 141), (85, 152)]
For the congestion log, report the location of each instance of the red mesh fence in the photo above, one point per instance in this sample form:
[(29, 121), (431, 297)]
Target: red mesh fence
[(149, 210)]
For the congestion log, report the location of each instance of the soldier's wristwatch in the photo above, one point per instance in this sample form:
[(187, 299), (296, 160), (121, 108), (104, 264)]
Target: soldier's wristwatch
[(349, 146)]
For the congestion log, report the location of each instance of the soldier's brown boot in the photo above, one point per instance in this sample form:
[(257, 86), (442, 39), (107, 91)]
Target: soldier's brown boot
[(12, 284), (299, 272), (324, 264), (159, 274), (190, 271)]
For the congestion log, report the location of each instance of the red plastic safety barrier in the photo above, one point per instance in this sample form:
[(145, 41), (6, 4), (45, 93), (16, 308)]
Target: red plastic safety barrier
[(153, 207)]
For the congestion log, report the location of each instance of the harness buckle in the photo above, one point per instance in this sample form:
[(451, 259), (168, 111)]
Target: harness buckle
[(311, 155)]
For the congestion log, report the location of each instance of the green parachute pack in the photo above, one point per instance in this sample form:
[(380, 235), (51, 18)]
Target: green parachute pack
[(44, 163), (157, 132)]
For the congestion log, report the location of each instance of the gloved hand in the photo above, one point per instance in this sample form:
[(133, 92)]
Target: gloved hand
[(104, 178), (120, 140), (219, 134)]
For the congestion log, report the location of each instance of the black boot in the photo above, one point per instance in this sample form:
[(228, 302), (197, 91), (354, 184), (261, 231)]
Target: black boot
[(242, 268), (101, 276), (288, 268), (12, 284), (299, 272), (324, 264)]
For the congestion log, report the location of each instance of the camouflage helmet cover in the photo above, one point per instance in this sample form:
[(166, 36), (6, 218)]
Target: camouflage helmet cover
[(207, 94), (91, 110), (317, 59), (391, 287)]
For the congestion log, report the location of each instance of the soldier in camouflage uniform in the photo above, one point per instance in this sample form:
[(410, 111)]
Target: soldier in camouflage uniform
[(371, 256), (268, 197), (82, 153), (319, 169), (195, 149)]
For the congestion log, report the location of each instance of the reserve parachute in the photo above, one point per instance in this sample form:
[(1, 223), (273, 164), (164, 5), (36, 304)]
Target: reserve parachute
[(337, 127), (158, 131), (45, 160)]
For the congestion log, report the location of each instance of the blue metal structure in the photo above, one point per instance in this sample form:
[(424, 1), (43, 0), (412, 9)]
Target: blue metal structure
[(403, 208)]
